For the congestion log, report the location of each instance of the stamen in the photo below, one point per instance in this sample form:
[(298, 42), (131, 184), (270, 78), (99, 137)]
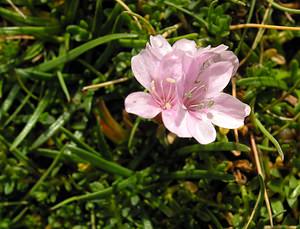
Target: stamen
[(153, 86), (153, 91), (189, 94), (202, 105), (210, 103)]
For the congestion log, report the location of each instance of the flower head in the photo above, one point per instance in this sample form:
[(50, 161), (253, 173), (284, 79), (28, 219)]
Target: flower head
[(185, 84)]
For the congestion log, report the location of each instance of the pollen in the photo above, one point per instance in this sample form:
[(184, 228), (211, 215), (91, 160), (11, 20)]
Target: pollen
[(167, 106), (171, 80)]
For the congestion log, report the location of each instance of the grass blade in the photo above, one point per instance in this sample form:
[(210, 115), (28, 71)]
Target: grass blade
[(51, 130), (72, 54), (9, 100), (63, 85), (32, 120), (101, 163)]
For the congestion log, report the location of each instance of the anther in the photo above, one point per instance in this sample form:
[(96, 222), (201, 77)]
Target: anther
[(170, 80)]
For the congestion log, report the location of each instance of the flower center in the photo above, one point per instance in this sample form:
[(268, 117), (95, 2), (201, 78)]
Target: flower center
[(163, 92)]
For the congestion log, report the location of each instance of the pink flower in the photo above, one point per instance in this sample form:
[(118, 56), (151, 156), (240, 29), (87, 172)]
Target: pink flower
[(158, 68), (185, 84)]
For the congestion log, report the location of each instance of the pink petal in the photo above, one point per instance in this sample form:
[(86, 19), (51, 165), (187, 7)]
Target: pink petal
[(229, 56), (185, 45), (220, 53), (143, 66), (192, 66), (219, 49), (216, 77), (202, 130), (176, 122), (170, 66), (141, 104), (159, 46), (228, 112)]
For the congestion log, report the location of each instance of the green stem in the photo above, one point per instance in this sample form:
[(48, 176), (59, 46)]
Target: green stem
[(133, 131)]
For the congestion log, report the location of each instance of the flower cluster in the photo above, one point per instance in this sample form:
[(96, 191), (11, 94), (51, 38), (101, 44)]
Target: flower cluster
[(185, 85)]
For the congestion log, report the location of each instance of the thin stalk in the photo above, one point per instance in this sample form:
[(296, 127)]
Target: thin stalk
[(105, 84), (260, 172), (264, 26)]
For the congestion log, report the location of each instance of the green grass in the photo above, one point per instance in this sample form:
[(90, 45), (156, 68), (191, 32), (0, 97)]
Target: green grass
[(74, 159)]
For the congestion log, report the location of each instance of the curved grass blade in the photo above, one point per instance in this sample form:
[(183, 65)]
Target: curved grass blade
[(217, 146), (282, 8), (33, 119), (270, 137), (199, 19), (90, 196), (72, 54)]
